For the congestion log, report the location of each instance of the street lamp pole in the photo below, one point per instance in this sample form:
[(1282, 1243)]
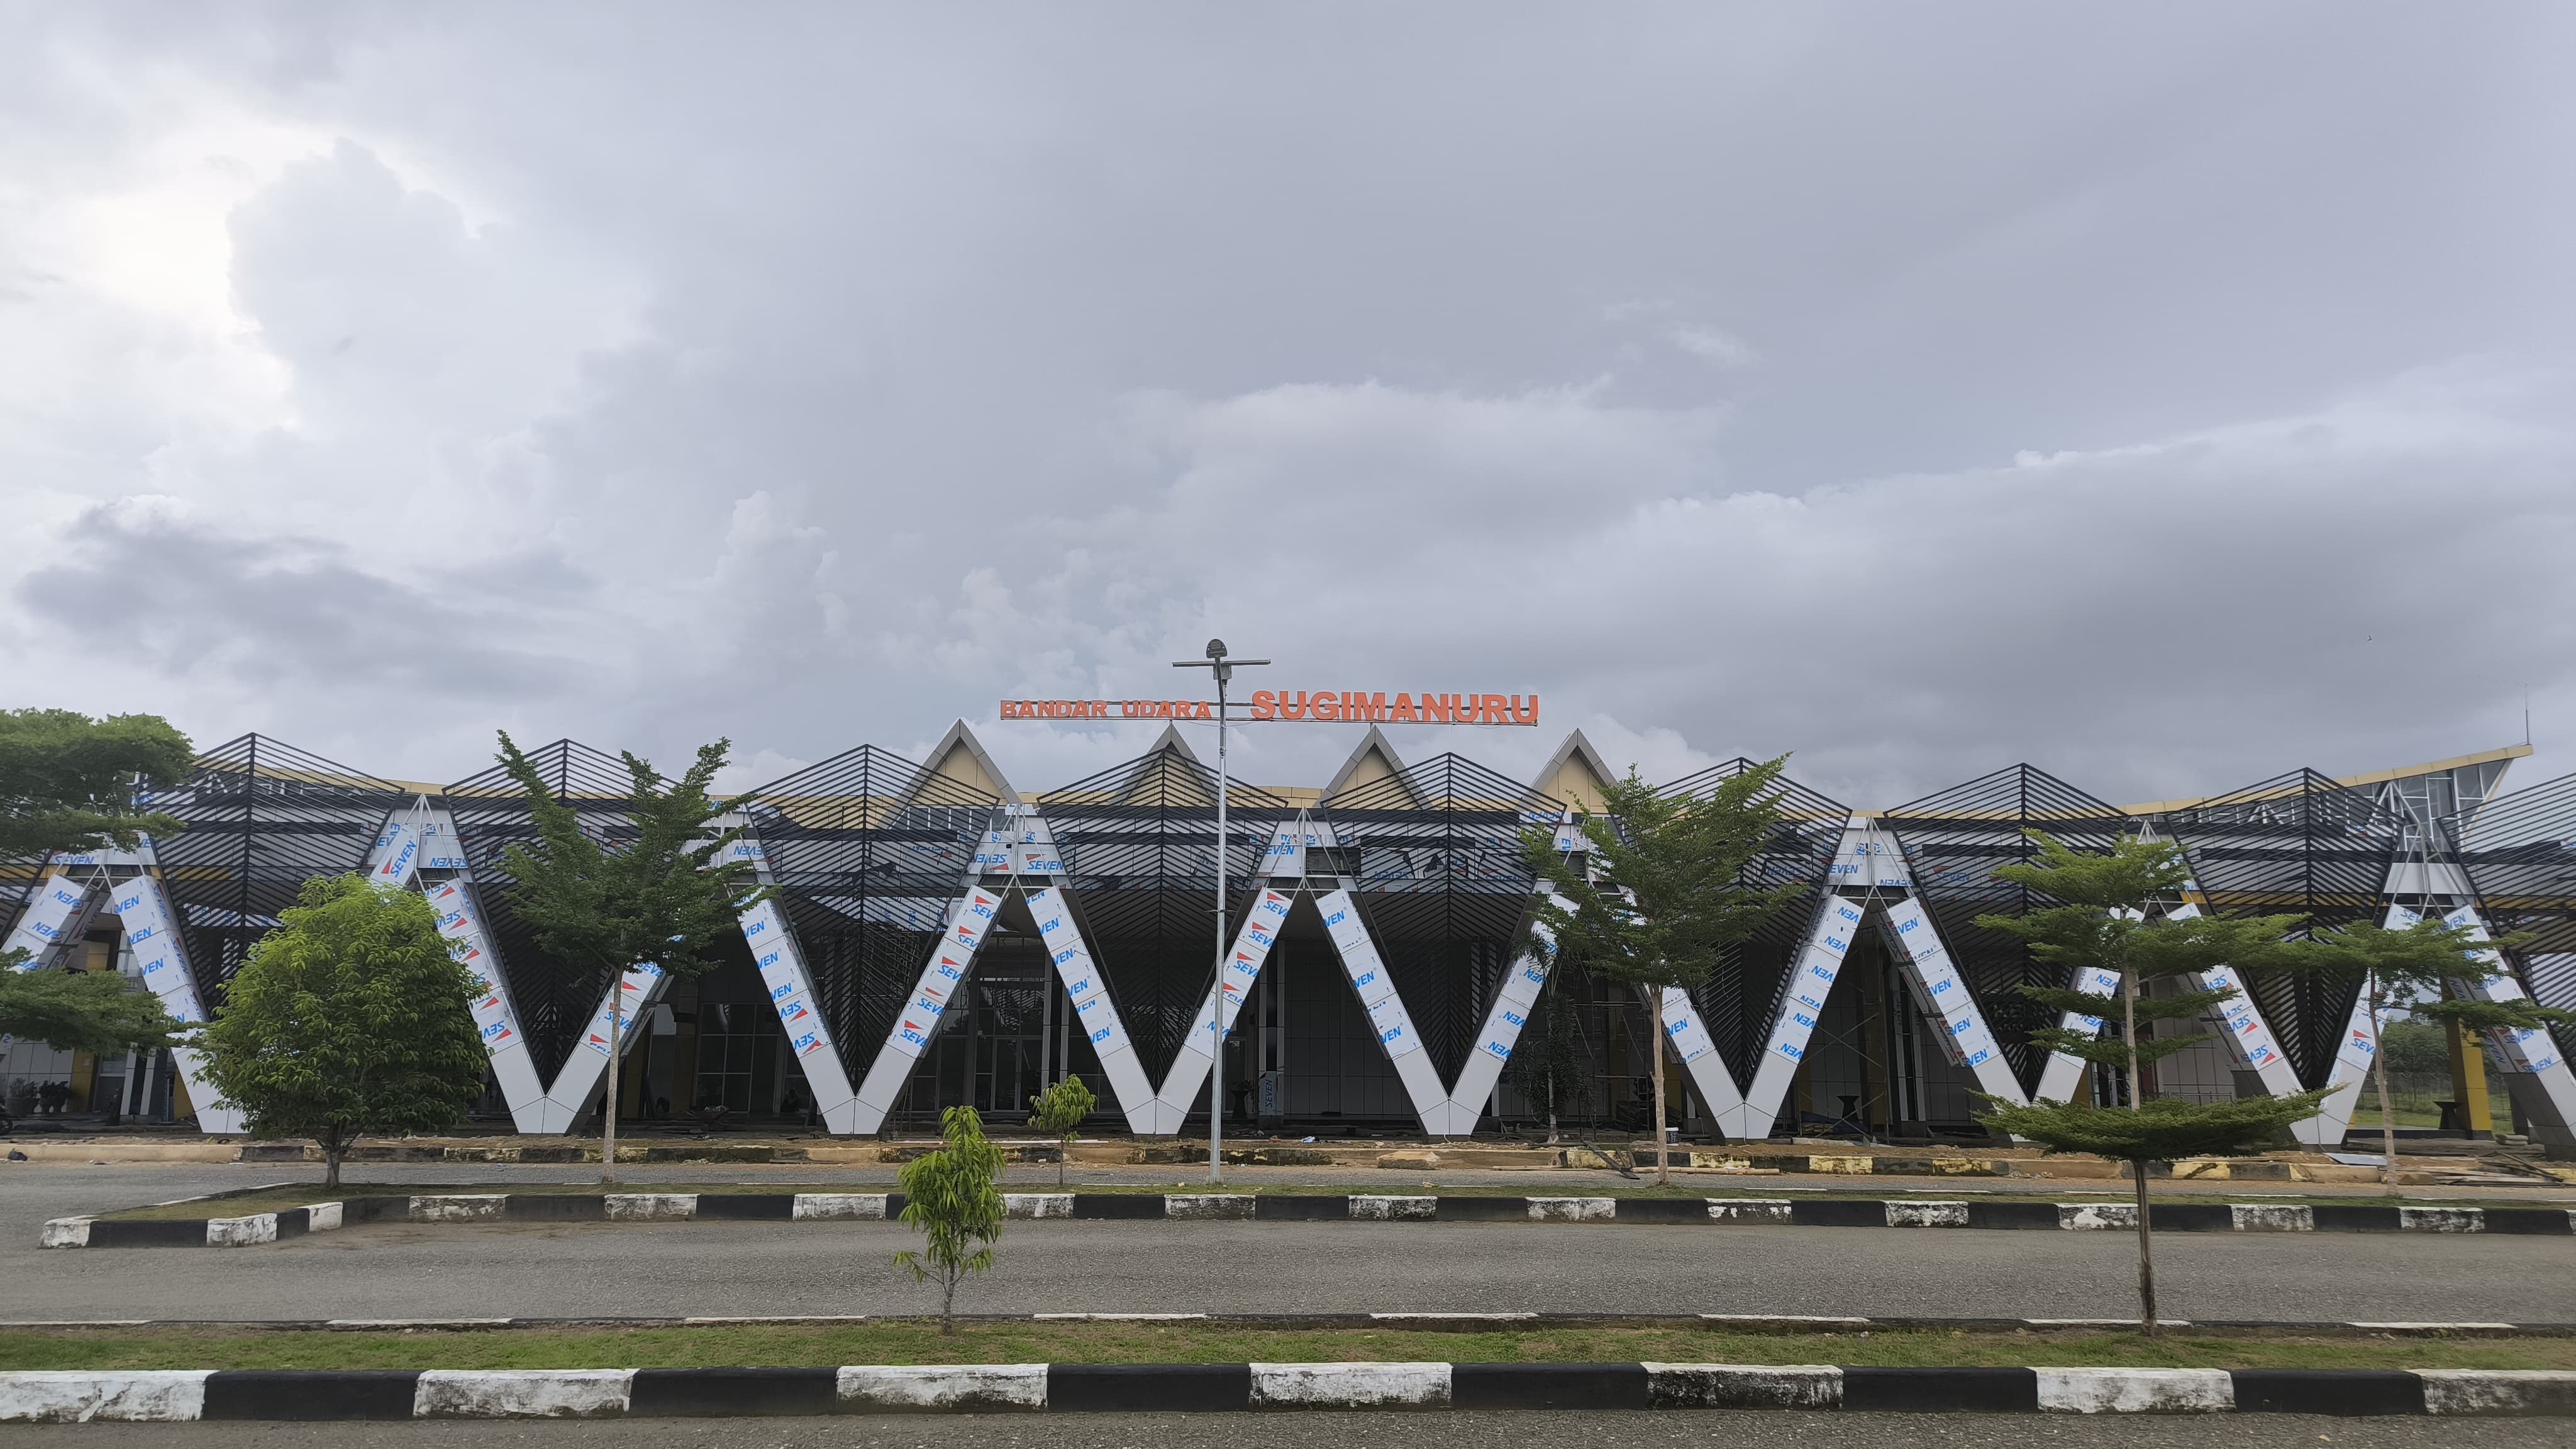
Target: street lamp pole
[(1217, 664)]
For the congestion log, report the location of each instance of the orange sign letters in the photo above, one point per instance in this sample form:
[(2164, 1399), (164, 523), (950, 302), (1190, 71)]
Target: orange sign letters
[(1325, 706)]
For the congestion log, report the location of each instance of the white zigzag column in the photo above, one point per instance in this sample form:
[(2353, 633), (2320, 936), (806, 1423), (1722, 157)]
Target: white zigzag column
[(55, 913), (405, 849), (2550, 1102), (1944, 997), (153, 928), (1088, 994), (496, 1017), (2353, 1059), (2057, 1080), (2248, 1035), (1811, 979), (424, 842), (1458, 1115), (1509, 1015), (1189, 1073), (969, 921), (637, 989), (1028, 853), (51, 914), (1678, 1019), (1387, 1018), (791, 992), (1699, 1055)]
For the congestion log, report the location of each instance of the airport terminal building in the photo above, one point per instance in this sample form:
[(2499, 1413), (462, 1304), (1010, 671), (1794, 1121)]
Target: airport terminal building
[(938, 937)]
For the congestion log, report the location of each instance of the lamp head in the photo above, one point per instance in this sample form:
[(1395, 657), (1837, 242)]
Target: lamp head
[(1216, 649)]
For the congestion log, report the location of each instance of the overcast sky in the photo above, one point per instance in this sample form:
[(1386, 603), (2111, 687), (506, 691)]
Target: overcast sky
[(2169, 396)]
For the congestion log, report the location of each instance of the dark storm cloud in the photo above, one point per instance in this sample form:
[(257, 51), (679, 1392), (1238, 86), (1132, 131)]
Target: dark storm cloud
[(139, 587), (2168, 397)]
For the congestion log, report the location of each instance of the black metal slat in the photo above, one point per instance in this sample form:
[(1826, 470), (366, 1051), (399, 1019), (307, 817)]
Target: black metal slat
[(2295, 844), (1743, 992), (260, 818), (868, 850), (1953, 840), (554, 999), (1137, 845)]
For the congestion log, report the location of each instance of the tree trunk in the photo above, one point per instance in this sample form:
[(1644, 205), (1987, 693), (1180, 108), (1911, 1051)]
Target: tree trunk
[(1655, 1056), (2379, 1070), (608, 1095), (948, 1304), (2146, 1255), (335, 1148), (2129, 1033), (1063, 1151)]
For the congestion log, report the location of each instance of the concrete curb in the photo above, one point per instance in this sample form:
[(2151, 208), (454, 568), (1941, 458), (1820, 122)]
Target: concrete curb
[(2243, 1217), (75, 1397)]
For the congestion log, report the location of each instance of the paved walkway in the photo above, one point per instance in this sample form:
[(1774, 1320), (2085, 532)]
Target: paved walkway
[(401, 1270)]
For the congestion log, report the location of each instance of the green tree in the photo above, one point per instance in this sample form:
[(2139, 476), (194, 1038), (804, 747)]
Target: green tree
[(670, 897), (1547, 1066), (86, 1011), (1659, 891), (68, 784), (1058, 1111), (350, 1018), (2416, 968), (2109, 926), (949, 1194), (2416, 1048)]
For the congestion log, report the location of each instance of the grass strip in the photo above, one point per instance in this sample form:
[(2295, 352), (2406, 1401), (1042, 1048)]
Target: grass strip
[(272, 1199), (916, 1341)]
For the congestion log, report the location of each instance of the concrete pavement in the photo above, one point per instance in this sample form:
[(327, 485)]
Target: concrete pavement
[(781, 1268)]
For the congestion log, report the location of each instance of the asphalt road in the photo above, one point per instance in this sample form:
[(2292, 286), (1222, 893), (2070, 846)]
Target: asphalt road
[(1070, 1267), (1347, 1431)]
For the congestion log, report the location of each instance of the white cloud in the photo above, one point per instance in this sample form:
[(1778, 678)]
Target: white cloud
[(1710, 345)]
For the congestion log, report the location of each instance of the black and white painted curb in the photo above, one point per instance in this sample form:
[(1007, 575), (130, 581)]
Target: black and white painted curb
[(1211, 1388), (1420, 1322), (2242, 1217)]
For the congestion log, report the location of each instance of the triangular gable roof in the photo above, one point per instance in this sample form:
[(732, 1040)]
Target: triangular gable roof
[(1170, 739), (976, 769), (1356, 773), (1576, 774)]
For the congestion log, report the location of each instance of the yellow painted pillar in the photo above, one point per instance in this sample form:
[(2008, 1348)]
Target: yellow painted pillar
[(2469, 1081), (84, 1077)]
